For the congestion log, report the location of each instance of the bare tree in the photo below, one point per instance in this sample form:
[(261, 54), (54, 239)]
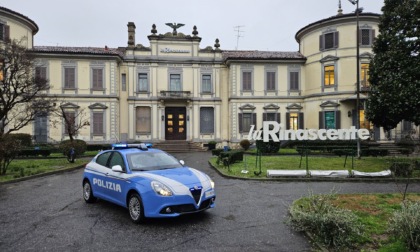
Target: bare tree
[(23, 95)]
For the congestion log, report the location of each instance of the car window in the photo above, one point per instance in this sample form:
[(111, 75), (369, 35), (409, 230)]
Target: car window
[(117, 159), (103, 158), (152, 161)]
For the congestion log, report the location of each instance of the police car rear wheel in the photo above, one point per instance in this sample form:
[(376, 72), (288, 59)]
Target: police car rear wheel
[(87, 192), (135, 208)]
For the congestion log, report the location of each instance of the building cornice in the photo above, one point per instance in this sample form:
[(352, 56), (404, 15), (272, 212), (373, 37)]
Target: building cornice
[(21, 18)]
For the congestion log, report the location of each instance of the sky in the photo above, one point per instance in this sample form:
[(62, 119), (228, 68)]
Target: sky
[(264, 25)]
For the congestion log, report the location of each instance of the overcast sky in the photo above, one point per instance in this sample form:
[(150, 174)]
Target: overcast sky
[(263, 25)]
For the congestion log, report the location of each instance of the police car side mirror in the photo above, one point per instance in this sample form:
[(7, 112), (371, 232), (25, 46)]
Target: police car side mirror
[(182, 162), (117, 168)]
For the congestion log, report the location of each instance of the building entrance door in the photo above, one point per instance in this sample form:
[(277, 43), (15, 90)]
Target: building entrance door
[(175, 123)]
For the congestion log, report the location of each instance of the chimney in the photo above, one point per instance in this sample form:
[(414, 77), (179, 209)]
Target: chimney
[(131, 34)]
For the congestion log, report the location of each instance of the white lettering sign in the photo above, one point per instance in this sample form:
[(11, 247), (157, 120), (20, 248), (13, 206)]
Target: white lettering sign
[(169, 50), (106, 184), (277, 133)]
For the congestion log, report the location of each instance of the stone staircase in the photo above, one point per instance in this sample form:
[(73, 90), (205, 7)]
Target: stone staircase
[(393, 149), (179, 146)]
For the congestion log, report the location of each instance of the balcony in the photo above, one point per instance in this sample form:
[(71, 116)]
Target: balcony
[(175, 95)]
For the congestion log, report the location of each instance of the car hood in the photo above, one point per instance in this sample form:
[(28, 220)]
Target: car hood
[(176, 178)]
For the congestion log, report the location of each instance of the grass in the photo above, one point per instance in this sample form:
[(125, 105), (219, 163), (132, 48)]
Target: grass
[(19, 168), (374, 212), (294, 162)]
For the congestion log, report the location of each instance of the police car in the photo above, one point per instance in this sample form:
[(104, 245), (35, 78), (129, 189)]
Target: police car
[(147, 181)]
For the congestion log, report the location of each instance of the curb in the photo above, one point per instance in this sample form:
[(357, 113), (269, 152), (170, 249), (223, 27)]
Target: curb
[(42, 175), (319, 179)]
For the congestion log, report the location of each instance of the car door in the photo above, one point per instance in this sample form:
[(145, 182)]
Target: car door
[(100, 170), (115, 181)]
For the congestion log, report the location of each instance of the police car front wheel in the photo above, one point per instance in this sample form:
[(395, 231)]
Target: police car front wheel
[(87, 192), (135, 208)]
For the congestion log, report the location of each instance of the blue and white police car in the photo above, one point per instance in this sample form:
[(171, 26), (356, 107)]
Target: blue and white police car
[(149, 182)]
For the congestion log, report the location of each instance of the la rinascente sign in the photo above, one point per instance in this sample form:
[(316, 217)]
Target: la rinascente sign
[(276, 132)]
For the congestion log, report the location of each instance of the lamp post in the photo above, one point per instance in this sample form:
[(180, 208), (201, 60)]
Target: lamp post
[(356, 2)]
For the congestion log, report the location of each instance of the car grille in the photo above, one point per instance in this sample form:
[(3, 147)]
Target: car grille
[(187, 208), (196, 193)]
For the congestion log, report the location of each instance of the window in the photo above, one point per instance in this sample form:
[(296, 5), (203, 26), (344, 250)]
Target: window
[(245, 121), (206, 120), (328, 41), (143, 83), (69, 77), (1, 70), (41, 128), (364, 123), (329, 76), (294, 81), (365, 75), (246, 81), (329, 119), (97, 78), (103, 158), (206, 83), (366, 36), (98, 123), (41, 72), (270, 81), (175, 82), (143, 120), (294, 120), (271, 117), (123, 82), (116, 159), (4, 32), (69, 122)]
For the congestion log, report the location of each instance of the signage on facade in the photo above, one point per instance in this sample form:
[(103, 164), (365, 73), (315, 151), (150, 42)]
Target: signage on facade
[(169, 50), (277, 133)]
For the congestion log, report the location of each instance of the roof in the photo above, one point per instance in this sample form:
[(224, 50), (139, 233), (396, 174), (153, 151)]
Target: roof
[(79, 50), (336, 18), (27, 20), (267, 55)]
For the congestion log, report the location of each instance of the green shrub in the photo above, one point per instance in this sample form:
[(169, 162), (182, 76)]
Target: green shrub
[(402, 169), (216, 152), (230, 157), (25, 139), (245, 144), (333, 227), (78, 145), (405, 224)]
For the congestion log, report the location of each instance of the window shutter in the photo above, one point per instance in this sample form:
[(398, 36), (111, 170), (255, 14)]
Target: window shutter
[(287, 120), (264, 117), (278, 117), (254, 119), (301, 122), (240, 121), (321, 120), (372, 36), (338, 119), (336, 39), (359, 33), (6, 33), (321, 42)]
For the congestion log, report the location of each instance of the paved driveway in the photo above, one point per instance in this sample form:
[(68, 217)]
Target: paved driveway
[(49, 214)]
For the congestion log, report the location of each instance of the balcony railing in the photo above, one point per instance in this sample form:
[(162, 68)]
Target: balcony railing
[(178, 95)]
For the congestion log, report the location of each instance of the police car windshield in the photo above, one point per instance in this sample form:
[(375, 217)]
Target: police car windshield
[(149, 161)]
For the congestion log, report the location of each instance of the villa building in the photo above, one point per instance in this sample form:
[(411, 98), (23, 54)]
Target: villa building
[(173, 89)]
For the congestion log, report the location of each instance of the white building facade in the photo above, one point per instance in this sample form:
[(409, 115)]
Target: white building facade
[(172, 89)]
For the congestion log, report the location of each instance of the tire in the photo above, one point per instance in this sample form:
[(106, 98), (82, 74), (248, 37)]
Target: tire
[(135, 208), (88, 193)]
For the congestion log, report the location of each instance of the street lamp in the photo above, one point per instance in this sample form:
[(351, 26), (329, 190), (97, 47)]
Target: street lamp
[(356, 2)]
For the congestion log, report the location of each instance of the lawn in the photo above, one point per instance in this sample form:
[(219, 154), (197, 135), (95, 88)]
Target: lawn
[(374, 212), (246, 168), (19, 168)]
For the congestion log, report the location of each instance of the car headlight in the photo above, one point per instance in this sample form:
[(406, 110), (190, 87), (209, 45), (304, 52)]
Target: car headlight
[(161, 189), (212, 184)]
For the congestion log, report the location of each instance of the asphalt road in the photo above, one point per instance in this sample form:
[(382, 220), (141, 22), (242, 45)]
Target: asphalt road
[(49, 214)]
